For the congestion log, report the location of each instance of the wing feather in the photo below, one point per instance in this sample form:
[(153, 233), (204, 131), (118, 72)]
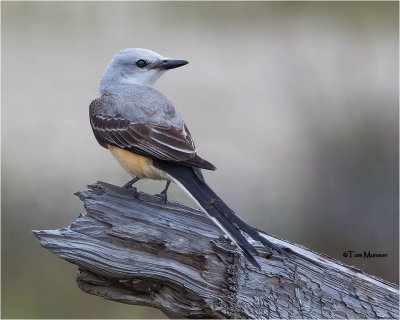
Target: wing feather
[(162, 141)]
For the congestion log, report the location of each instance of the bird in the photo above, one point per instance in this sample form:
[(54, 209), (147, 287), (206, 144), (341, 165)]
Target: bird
[(146, 134)]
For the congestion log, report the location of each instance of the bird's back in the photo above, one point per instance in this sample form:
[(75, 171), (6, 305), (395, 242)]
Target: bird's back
[(139, 104)]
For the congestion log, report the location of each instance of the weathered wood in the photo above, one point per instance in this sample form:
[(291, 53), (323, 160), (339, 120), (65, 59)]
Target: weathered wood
[(172, 257)]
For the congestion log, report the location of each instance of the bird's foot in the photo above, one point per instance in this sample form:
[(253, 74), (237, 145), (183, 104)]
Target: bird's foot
[(129, 184), (163, 194), (135, 192)]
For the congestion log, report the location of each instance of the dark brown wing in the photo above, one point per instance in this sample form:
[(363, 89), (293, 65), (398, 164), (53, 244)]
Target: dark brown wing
[(162, 142)]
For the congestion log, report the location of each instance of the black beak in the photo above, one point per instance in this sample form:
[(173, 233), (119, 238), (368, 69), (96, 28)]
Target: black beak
[(171, 64)]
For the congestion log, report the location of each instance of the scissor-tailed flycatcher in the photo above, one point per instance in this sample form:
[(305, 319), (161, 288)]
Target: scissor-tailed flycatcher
[(146, 134)]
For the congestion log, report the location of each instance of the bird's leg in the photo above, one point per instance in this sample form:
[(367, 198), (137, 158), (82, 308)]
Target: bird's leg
[(163, 194), (130, 183)]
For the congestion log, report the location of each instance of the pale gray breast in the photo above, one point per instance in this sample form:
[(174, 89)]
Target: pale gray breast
[(145, 105)]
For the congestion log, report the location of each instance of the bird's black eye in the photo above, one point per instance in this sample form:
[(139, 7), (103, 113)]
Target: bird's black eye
[(141, 63)]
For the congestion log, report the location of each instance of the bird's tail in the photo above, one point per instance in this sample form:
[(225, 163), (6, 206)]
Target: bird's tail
[(186, 178)]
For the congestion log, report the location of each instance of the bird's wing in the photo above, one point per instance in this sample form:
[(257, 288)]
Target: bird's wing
[(160, 141)]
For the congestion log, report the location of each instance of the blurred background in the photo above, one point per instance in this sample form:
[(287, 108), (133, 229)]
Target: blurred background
[(296, 103)]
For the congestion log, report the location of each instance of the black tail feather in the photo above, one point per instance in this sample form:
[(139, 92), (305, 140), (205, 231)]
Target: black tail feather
[(217, 209), (237, 221)]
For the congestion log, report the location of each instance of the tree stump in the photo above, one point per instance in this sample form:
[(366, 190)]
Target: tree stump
[(134, 249)]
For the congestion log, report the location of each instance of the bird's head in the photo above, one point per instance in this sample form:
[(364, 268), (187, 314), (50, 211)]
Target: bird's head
[(136, 66)]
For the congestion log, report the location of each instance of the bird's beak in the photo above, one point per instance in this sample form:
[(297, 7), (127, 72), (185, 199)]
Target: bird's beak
[(171, 64)]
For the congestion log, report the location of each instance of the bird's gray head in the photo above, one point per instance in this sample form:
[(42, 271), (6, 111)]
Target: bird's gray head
[(135, 66)]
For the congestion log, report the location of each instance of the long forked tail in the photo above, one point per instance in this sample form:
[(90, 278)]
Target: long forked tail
[(194, 185)]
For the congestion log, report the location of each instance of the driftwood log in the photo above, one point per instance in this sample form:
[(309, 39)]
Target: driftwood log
[(172, 257)]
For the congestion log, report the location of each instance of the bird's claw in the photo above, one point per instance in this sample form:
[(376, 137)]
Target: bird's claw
[(127, 186), (163, 196), (135, 193), (133, 189)]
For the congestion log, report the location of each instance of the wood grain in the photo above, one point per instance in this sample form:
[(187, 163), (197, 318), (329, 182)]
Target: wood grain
[(136, 250)]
